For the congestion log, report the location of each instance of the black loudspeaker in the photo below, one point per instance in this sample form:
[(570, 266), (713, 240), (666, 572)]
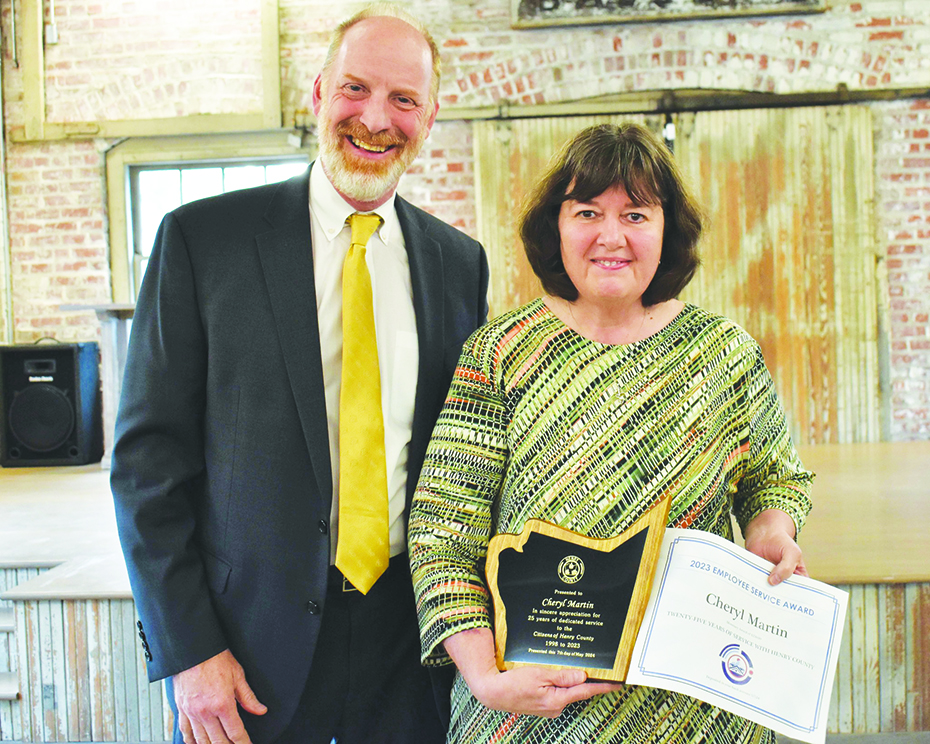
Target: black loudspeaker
[(50, 405)]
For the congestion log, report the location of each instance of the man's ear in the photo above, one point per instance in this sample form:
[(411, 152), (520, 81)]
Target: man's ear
[(317, 97)]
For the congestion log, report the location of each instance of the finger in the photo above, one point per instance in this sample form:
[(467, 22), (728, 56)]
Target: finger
[(200, 733), (802, 569), (588, 690), (567, 677), (215, 731), (791, 559), (559, 697), (781, 572), (234, 729), (248, 700), (185, 725), (601, 687)]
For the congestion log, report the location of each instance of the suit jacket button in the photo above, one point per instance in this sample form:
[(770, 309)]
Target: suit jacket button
[(313, 608), (323, 526)]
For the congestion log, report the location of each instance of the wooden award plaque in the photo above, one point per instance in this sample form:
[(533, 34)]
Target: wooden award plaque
[(567, 600)]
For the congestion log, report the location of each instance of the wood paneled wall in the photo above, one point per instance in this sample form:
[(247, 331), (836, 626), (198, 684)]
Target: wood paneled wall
[(789, 253), (10, 725), (82, 675), (882, 680)]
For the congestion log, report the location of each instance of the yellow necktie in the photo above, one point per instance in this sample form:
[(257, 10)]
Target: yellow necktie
[(363, 547)]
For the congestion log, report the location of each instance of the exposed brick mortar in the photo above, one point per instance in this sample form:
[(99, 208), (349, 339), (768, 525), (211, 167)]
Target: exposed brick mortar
[(902, 161), (58, 239)]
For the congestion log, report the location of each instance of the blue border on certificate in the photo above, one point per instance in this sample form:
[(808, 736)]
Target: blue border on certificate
[(742, 559)]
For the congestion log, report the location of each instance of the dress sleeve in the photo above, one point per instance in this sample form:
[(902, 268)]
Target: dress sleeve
[(774, 477), (451, 519)]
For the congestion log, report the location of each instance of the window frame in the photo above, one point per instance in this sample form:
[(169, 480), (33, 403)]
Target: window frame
[(175, 151)]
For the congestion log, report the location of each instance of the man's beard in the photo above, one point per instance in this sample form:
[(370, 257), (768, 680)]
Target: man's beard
[(356, 177)]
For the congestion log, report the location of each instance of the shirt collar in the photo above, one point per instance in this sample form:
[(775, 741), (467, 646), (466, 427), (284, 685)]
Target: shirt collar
[(332, 211)]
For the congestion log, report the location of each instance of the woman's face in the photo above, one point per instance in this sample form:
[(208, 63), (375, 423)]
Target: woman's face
[(610, 247)]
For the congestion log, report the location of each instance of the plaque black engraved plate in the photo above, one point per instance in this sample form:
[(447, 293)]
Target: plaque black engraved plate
[(567, 600)]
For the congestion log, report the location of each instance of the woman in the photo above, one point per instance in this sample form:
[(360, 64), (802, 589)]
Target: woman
[(583, 408)]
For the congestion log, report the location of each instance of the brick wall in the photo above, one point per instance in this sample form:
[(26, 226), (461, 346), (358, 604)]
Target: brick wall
[(442, 180), (131, 59), (776, 55), (116, 59), (903, 212), (305, 31), (863, 45), (58, 240)]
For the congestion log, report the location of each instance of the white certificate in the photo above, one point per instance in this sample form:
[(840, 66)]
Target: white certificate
[(716, 630)]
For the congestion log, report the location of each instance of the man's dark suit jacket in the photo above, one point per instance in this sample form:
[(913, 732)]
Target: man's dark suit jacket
[(221, 467)]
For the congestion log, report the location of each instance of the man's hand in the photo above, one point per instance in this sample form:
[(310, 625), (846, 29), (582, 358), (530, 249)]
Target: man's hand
[(206, 696)]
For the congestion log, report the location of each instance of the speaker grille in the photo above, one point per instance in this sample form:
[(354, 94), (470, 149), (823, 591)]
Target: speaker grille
[(41, 417), (50, 405)]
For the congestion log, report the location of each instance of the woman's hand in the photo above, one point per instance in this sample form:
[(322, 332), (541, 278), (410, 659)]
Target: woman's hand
[(535, 691), (771, 536)]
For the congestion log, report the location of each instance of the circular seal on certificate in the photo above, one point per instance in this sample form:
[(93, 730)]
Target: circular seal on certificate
[(736, 664), (571, 569)]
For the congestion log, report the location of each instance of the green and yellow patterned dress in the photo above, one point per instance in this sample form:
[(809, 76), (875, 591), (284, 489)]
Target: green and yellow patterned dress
[(542, 422)]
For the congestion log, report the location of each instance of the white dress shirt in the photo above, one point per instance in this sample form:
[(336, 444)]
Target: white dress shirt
[(395, 329)]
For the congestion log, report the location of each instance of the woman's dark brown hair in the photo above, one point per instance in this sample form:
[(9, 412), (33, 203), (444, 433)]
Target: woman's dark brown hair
[(600, 158)]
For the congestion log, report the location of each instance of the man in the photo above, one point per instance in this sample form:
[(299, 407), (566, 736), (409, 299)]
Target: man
[(231, 462)]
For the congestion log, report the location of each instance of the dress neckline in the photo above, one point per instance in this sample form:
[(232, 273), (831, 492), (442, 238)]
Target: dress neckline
[(686, 309)]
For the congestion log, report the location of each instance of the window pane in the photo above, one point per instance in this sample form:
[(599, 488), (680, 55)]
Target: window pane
[(282, 171), (243, 176), (159, 193), (198, 183)]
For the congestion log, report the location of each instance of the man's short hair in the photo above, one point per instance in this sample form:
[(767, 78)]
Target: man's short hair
[(599, 158), (380, 10)]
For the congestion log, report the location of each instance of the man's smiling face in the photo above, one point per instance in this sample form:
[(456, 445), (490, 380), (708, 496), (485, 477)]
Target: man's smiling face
[(374, 109)]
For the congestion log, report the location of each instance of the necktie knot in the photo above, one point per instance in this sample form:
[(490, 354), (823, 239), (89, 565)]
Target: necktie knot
[(363, 226)]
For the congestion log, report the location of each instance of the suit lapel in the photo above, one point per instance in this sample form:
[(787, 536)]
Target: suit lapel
[(287, 264), (426, 276)]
